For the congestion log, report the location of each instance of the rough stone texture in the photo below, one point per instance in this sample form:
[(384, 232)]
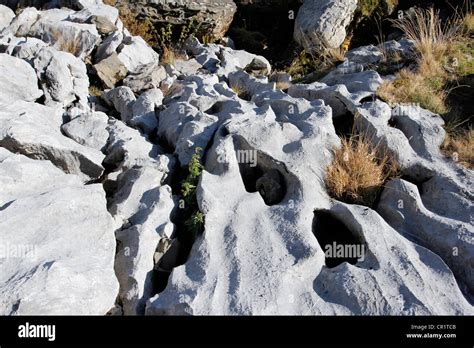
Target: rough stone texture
[(6, 16), (17, 80), (59, 242), (27, 48), (247, 239), (401, 205), (268, 216), (147, 77), (111, 70), (103, 17), (135, 52), (144, 110), (63, 77), (34, 130), (22, 23), (122, 99), (127, 148), (53, 26), (355, 82), (108, 46), (89, 129), (214, 17), (145, 207), (323, 23)]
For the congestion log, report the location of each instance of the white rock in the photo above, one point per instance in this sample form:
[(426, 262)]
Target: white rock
[(21, 24), (147, 77), (234, 60), (122, 99), (135, 52), (6, 16), (57, 242), (34, 130), (89, 129), (401, 205), (365, 55), (143, 109), (362, 81), (18, 80), (145, 206), (108, 46), (127, 148), (246, 239), (28, 48), (103, 16), (53, 26), (323, 23), (63, 76), (39, 175)]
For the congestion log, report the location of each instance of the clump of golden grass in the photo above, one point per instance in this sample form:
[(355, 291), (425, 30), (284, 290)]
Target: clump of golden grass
[(410, 87), (95, 91), (440, 55), (358, 171), (459, 146), (241, 91), (61, 43), (282, 85), (168, 55)]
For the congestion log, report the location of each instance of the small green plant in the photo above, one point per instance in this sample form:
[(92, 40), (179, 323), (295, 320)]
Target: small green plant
[(194, 218), (195, 222)]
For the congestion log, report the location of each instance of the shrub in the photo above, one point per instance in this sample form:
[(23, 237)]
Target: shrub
[(358, 171)]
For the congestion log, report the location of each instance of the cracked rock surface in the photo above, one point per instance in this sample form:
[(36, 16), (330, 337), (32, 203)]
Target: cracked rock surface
[(91, 204)]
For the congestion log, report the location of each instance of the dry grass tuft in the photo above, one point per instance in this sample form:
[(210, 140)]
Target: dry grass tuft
[(358, 171), (459, 146), (283, 85), (241, 92), (168, 55), (442, 55), (411, 87)]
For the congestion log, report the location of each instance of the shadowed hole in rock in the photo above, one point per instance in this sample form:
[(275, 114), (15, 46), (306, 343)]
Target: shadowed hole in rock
[(369, 99), (260, 173), (216, 108), (166, 257), (337, 241), (344, 125)]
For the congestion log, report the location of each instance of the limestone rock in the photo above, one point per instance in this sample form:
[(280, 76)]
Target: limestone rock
[(6, 16), (59, 242), (18, 80), (63, 77), (122, 99), (111, 70), (89, 129), (147, 77), (144, 115), (34, 130), (214, 17), (323, 23)]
